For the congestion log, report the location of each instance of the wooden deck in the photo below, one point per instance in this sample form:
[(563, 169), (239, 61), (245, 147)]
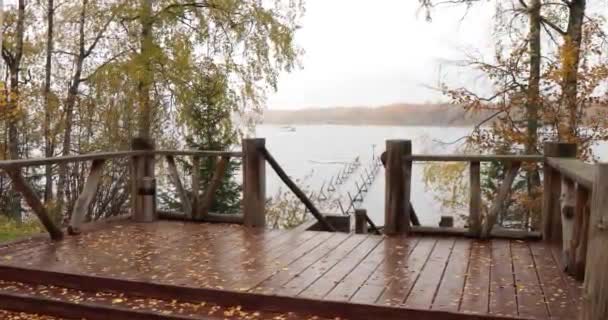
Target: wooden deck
[(449, 275)]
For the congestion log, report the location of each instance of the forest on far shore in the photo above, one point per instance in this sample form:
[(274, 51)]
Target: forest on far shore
[(424, 114)]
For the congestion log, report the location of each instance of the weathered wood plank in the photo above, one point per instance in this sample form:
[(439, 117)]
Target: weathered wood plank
[(356, 278), (177, 182), (277, 280), (503, 298), (336, 273), (475, 295), (595, 305), (451, 288), (406, 272), (283, 259), (560, 303), (307, 277), (530, 297), (423, 292), (86, 197), (498, 206), (475, 199), (391, 267)]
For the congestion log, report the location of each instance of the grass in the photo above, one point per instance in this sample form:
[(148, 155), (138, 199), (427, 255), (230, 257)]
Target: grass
[(11, 229)]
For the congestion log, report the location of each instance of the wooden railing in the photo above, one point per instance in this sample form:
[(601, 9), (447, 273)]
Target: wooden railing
[(142, 181), (398, 164)]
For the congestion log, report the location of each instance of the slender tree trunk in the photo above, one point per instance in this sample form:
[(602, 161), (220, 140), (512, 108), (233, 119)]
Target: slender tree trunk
[(13, 101), (533, 104), (48, 141), (570, 57), (145, 73), (70, 103)]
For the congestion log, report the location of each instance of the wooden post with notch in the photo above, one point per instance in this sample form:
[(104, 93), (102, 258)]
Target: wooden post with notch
[(398, 187), (475, 199), (143, 167), (552, 185), (360, 221), (595, 303), (254, 183)]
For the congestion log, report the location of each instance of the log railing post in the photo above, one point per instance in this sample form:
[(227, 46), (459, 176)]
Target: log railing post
[(360, 221), (398, 187), (142, 189), (551, 213), (475, 199), (595, 304), (254, 183)]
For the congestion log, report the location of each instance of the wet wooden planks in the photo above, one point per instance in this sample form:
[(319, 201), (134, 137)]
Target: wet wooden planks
[(498, 277)]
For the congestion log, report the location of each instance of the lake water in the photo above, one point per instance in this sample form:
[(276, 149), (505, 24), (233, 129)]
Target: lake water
[(314, 154)]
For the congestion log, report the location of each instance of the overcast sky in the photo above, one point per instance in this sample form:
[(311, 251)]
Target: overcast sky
[(361, 52)]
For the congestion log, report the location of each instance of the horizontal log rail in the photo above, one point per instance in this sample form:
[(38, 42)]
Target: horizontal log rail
[(473, 158), (580, 172), (33, 162), (142, 165)]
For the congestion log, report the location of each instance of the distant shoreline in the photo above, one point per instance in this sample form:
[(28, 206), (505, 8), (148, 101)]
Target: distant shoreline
[(363, 124), (420, 115)]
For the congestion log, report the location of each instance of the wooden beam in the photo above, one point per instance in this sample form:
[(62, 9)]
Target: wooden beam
[(574, 169), (214, 184), (254, 183), (29, 304), (475, 199), (81, 207), (595, 304), (497, 233), (30, 196), (296, 190), (398, 187), (248, 301), (551, 213), (498, 206), (177, 182)]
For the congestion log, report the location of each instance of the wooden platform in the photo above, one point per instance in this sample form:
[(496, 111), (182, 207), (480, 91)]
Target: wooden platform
[(441, 277)]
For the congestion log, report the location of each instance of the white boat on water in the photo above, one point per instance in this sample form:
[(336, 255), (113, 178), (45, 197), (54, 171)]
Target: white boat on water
[(288, 128)]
